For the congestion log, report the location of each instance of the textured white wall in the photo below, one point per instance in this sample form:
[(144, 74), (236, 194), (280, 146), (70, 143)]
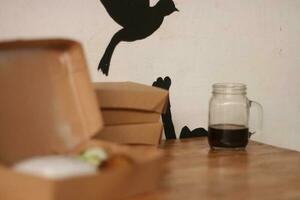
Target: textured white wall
[(256, 42)]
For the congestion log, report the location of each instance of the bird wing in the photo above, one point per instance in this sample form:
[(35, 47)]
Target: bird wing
[(126, 12)]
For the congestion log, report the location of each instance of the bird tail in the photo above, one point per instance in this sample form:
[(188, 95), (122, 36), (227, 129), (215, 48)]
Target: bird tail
[(106, 58)]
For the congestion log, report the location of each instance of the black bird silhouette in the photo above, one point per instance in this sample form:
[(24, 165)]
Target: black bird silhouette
[(138, 20)]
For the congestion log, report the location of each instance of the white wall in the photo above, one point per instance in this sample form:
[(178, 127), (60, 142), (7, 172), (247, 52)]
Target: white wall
[(252, 41)]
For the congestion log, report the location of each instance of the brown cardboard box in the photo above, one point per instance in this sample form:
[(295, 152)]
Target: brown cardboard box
[(122, 116), (48, 106), (131, 112), (131, 96), (118, 183), (132, 134)]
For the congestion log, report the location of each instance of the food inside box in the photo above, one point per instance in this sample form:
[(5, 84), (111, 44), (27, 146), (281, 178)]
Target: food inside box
[(127, 170)]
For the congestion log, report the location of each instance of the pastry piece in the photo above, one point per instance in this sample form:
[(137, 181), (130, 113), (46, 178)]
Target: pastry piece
[(117, 160), (104, 159)]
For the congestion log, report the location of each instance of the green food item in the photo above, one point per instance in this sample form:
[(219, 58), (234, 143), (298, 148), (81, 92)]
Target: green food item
[(94, 156)]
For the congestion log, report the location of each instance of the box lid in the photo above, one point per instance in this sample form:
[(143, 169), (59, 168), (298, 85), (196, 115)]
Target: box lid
[(47, 104), (129, 95)]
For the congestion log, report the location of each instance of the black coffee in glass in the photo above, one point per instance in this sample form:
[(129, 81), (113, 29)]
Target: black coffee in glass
[(229, 116), (228, 136)]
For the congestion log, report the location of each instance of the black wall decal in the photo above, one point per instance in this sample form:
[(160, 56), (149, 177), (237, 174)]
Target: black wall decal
[(187, 133), (138, 20), (167, 117)]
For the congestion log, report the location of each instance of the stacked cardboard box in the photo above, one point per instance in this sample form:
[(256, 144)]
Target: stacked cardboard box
[(131, 112)]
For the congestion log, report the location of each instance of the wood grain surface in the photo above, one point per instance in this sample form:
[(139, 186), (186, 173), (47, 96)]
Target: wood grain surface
[(259, 172)]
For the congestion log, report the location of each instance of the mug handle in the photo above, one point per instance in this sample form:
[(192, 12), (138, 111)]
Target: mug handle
[(256, 119)]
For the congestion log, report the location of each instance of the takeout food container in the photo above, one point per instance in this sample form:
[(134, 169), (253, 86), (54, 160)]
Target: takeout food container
[(131, 97), (117, 183), (131, 112), (48, 106)]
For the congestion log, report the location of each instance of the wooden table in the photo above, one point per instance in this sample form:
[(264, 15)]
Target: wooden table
[(195, 172)]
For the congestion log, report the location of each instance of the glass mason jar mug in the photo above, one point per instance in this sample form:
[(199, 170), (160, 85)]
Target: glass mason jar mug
[(229, 116)]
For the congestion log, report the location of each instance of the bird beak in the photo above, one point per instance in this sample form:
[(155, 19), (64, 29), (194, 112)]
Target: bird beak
[(176, 10)]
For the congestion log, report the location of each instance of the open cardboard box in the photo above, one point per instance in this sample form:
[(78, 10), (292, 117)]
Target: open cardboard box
[(117, 183), (48, 106)]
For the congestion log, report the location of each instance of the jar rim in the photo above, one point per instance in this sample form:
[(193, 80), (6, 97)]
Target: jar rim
[(229, 88), (230, 85)]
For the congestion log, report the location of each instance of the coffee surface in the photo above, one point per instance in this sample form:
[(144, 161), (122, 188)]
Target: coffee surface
[(228, 135)]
